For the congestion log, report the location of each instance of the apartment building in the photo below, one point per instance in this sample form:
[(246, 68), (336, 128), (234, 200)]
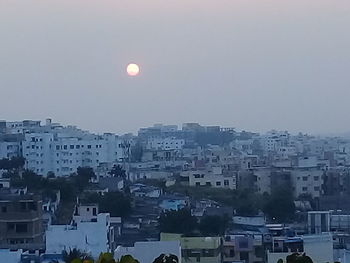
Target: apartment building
[(63, 153), (169, 143), (243, 248), (210, 178), (197, 249)]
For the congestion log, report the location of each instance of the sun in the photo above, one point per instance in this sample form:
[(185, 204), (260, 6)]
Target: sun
[(133, 69)]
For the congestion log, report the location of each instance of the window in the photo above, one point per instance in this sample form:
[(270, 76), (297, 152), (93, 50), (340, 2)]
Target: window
[(232, 253), (304, 178), (89, 146), (65, 147), (304, 189), (94, 212), (4, 209), (21, 228), (198, 183), (218, 183), (226, 182), (208, 183), (71, 147), (10, 226), (317, 188), (77, 147), (57, 147), (316, 178), (88, 209)]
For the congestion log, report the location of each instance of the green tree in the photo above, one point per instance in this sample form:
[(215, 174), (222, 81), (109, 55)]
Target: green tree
[(13, 163), (213, 225), (115, 203), (83, 176), (106, 258), (128, 259), (180, 221), (280, 205)]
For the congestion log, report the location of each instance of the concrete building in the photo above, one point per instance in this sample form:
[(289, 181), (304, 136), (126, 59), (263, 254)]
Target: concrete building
[(307, 181), (9, 256), (146, 252), (10, 147), (318, 222), (197, 249), (21, 225), (211, 178), (62, 153), (328, 221), (90, 231), (170, 143), (243, 248)]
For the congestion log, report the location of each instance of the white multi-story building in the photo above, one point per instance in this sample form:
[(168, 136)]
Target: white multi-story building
[(274, 139), (90, 232), (169, 143), (19, 127), (63, 151)]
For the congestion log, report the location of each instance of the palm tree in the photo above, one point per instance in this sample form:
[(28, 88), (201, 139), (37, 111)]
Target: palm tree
[(166, 258), (76, 256)]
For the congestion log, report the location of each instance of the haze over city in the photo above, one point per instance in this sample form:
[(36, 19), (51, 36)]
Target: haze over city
[(254, 65)]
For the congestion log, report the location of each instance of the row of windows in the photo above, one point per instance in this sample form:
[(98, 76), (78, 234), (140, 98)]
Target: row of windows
[(65, 147), (316, 188), (306, 178), (218, 183)]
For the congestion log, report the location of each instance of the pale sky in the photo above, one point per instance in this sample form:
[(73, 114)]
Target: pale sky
[(250, 64)]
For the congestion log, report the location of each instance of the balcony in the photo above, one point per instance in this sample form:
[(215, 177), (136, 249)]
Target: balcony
[(20, 216)]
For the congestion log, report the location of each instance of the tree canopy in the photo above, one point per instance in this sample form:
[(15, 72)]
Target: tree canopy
[(280, 205), (115, 203), (180, 221)]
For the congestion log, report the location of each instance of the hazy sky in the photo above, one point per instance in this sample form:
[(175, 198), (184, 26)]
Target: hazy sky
[(250, 64)]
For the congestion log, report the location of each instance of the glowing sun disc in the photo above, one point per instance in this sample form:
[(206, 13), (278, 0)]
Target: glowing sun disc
[(132, 69)]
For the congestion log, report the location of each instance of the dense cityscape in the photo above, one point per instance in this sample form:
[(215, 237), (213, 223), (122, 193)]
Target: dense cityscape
[(205, 194)]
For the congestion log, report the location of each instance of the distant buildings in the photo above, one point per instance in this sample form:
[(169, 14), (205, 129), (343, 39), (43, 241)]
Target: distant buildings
[(52, 148)]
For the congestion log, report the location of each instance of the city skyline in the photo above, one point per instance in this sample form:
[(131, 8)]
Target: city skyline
[(256, 65)]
